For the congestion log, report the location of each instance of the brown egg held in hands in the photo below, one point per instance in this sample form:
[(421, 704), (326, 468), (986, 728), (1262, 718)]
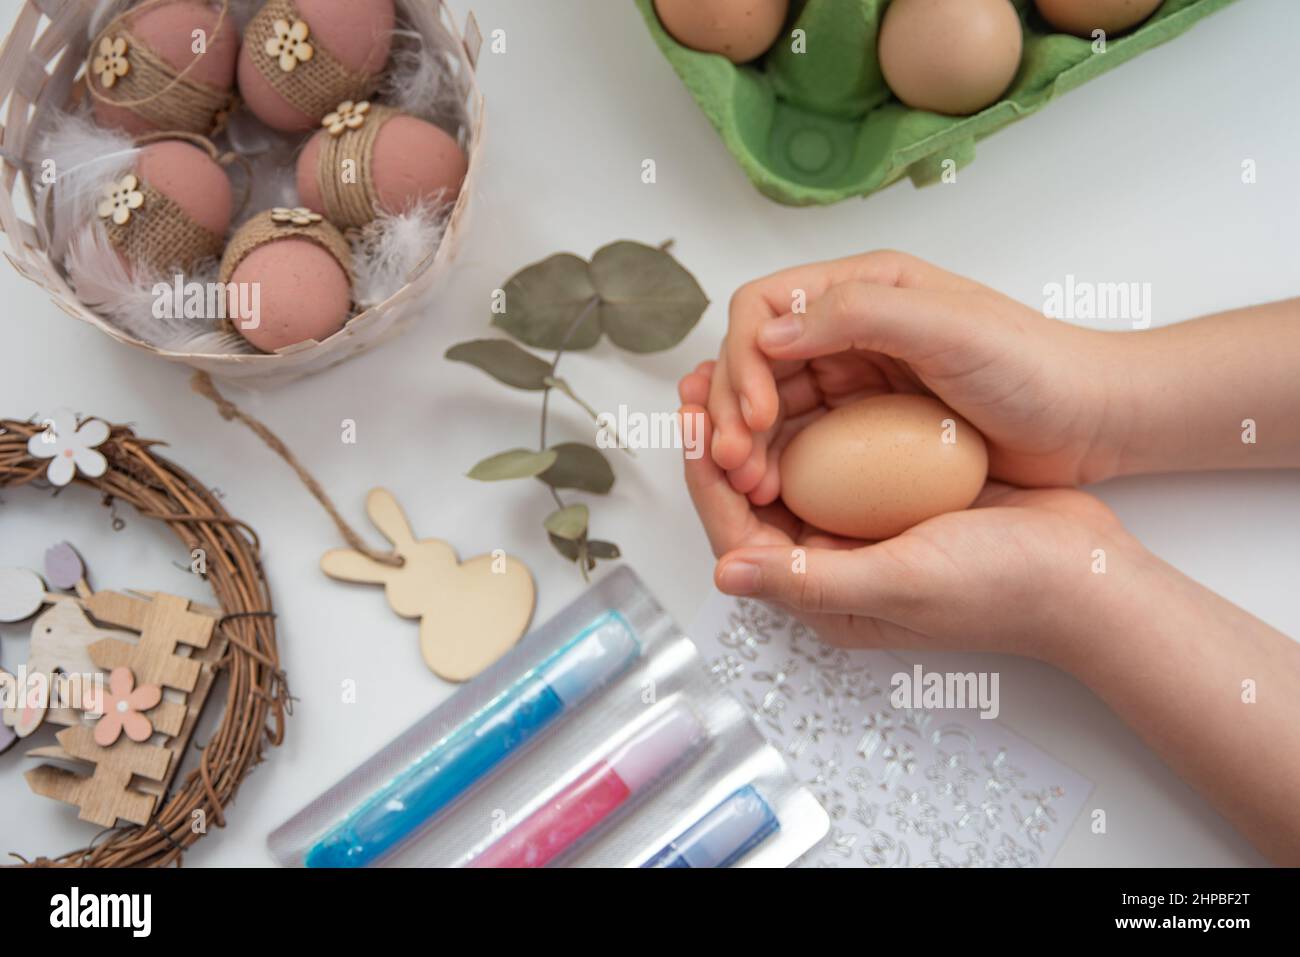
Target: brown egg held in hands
[(875, 468), (301, 58), (138, 59), (372, 159), (741, 30), (1081, 17), (170, 212), (298, 270), (950, 56)]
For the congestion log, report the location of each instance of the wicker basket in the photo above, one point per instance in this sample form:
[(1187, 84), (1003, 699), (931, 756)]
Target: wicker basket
[(39, 63)]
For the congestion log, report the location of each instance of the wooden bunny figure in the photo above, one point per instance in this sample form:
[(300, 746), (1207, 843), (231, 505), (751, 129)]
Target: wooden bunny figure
[(60, 645), (471, 613)]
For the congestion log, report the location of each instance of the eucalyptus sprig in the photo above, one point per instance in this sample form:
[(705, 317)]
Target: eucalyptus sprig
[(637, 296)]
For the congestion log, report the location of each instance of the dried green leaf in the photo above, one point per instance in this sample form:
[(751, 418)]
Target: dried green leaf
[(649, 302), (575, 551), (581, 467), (545, 305), (568, 523), (568, 549), (514, 464), (504, 361), (604, 550)]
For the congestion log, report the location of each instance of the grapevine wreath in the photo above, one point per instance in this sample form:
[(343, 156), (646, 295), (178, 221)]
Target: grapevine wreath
[(257, 698)]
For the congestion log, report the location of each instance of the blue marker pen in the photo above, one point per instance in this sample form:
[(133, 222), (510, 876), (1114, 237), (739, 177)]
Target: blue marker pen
[(724, 835), (455, 763)]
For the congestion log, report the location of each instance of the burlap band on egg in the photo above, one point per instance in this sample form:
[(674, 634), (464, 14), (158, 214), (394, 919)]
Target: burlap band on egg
[(262, 229), (154, 90), (345, 171), (314, 86), (161, 236)]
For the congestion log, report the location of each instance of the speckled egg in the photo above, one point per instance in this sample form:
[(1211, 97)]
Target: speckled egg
[(141, 56), (950, 56), (301, 58), (182, 213), (740, 30), (301, 274), (406, 162), (1081, 17), (875, 468)]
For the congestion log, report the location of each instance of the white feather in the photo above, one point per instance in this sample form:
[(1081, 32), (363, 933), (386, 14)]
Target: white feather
[(390, 249), (105, 13), (243, 11), (101, 282), (420, 81), (84, 159)]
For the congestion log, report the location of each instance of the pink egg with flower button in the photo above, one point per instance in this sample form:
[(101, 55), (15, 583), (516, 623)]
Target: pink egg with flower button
[(301, 58)]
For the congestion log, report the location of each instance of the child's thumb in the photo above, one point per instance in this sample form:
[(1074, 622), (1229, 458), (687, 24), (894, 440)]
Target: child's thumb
[(860, 581)]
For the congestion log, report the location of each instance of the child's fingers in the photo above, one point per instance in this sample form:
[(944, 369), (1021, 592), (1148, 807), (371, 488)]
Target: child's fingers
[(798, 395), (732, 439), (907, 324), (749, 474), (726, 516), (861, 581), (768, 489), (751, 374), (780, 518), (693, 389), (757, 303)]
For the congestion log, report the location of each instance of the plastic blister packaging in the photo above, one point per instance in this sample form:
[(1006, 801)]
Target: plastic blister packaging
[(598, 741)]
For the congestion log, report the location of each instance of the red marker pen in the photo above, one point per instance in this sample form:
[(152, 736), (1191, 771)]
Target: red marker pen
[(596, 794)]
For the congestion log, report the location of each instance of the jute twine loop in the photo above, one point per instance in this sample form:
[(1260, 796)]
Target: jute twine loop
[(152, 88), (203, 385), (262, 229), (314, 86), (348, 204), (221, 159), (257, 697)]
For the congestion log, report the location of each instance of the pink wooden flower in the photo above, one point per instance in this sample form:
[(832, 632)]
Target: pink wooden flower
[(122, 704)]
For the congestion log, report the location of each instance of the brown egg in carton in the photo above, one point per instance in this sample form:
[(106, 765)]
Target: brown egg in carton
[(257, 189)]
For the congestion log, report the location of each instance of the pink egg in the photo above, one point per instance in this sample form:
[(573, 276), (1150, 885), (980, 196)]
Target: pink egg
[(356, 35), (167, 30), (191, 179), (411, 161), (304, 294), (200, 192)]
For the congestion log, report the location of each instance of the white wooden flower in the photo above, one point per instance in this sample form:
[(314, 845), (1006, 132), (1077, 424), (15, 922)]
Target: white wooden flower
[(111, 62), (70, 449), (120, 199), (290, 44), (298, 216), (348, 116)]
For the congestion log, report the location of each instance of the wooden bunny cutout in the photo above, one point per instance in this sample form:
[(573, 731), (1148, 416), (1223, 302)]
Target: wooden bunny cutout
[(471, 613), (60, 648), (60, 645)]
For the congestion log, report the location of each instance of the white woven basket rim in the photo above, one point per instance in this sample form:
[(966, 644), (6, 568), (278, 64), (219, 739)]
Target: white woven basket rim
[(37, 70)]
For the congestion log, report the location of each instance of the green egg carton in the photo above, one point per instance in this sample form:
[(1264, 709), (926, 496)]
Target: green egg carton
[(816, 127)]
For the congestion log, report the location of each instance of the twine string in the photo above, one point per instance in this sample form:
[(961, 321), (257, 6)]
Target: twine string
[(214, 154), (351, 205), (202, 384), (194, 93)]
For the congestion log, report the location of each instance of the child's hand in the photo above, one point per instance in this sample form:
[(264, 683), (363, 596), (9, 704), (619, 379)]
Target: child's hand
[(996, 577), (1041, 392)]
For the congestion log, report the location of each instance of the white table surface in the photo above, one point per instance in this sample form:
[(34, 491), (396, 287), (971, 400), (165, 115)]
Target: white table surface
[(1134, 177)]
